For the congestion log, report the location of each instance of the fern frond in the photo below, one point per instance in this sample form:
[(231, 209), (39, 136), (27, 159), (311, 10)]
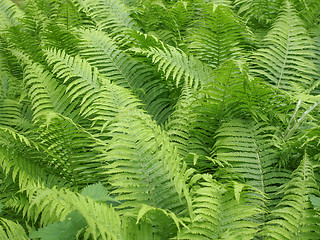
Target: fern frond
[(11, 230), (166, 21), (217, 36), (141, 231), (20, 159), (66, 14), (249, 149), (81, 79), (285, 60), (135, 168), (180, 129), (182, 67), (295, 216), (8, 84), (122, 69), (221, 213), (34, 79), (10, 14), (198, 114), (75, 162), (262, 11), (56, 36), (227, 90), (110, 16), (112, 100), (10, 113), (45, 92), (102, 220)]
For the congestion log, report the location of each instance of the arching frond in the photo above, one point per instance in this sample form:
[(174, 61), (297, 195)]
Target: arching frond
[(263, 11), (75, 162), (215, 206), (22, 159), (110, 16), (182, 67), (81, 79), (295, 216), (10, 14), (45, 92), (140, 168), (102, 220), (180, 129), (198, 114), (249, 149), (285, 59), (11, 230), (123, 70), (112, 100), (217, 36)]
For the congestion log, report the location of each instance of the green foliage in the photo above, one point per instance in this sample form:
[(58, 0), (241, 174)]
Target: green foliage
[(258, 11), (222, 212), (217, 36), (149, 120), (295, 216), (285, 59)]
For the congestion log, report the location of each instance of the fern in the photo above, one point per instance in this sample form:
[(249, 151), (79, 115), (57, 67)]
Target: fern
[(108, 226), (178, 64), (144, 178), (167, 22), (217, 36), (9, 14), (110, 16), (215, 206), (11, 230), (192, 124), (122, 69), (248, 148), (124, 119), (67, 67), (285, 61), (294, 216), (262, 11)]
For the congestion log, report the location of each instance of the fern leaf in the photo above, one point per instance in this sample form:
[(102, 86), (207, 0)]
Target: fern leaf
[(112, 101), (263, 11), (9, 14), (285, 60), (75, 162), (248, 148), (122, 69), (110, 16), (141, 231), (217, 36), (11, 230), (198, 114), (295, 216), (10, 113), (166, 21), (182, 67), (45, 92), (102, 220), (142, 178), (219, 215), (81, 79)]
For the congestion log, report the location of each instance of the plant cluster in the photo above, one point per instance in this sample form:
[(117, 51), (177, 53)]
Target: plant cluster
[(168, 119)]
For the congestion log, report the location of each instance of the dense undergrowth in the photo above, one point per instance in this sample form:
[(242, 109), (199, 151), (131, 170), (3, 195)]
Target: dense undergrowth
[(149, 120)]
